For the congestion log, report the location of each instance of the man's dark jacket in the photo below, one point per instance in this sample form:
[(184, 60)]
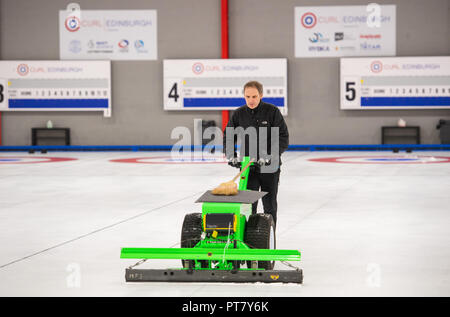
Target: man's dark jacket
[(264, 115)]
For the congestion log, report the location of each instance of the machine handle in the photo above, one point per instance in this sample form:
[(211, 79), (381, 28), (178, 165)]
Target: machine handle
[(242, 171)]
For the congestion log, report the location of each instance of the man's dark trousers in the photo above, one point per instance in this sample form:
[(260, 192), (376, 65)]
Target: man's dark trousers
[(267, 182)]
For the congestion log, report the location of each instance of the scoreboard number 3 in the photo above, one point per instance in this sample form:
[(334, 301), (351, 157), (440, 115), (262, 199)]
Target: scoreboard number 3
[(3, 97)]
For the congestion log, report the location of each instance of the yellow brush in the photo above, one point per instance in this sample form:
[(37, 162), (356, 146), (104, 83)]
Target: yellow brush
[(229, 188)]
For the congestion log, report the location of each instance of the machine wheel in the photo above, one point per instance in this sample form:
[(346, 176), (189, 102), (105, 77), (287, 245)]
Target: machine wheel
[(260, 234), (191, 235)]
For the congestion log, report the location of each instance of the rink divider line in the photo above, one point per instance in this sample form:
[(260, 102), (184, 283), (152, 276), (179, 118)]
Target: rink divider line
[(169, 148), (98, 230)]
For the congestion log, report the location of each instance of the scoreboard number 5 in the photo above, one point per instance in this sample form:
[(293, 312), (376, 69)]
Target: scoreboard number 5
[(173, 93), (351, 92)]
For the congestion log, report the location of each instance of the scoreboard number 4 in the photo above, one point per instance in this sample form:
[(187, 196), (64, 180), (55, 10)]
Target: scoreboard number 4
[(173, 92)]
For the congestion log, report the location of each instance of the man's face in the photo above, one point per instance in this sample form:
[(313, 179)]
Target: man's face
[(252, 97)]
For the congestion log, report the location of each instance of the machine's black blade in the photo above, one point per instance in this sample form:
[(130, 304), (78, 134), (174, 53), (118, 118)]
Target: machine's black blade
[(217, 276)]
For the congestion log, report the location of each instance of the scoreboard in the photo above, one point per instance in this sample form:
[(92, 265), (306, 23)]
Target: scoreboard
[(55, 86), (395, 83), (217, 84)]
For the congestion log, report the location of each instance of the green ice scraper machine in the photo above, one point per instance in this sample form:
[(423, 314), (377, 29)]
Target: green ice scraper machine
[(223, 243)]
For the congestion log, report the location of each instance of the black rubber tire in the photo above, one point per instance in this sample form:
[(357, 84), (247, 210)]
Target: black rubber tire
[(258, 235), (191, 233)]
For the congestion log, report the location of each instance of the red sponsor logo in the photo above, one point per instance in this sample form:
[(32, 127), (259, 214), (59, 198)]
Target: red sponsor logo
[(308, 20), (370, 36), (23, 69), (72, 24), (376, 66)]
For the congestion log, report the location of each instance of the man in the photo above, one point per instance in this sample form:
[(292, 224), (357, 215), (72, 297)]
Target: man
[(265, 118)]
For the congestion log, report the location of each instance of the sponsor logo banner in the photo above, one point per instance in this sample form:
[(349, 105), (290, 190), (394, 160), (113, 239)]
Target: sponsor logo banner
[(328, 31), (108, 34)]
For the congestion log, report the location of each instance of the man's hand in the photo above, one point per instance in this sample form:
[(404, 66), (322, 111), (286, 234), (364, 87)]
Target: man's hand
[(262, 162), (234, 162)]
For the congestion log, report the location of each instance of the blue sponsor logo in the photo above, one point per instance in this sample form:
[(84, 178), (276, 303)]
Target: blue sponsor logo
[(128, 23), (319, 48), (318, 38), (370, 47), (140, 46), (100, 45), (75, 46)]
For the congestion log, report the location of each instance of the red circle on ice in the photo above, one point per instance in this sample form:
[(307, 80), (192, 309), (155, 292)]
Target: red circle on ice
[(32, 159), (170, 160), (406, 159)]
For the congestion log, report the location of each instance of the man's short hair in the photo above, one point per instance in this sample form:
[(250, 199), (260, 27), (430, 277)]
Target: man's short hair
[(254, 84)]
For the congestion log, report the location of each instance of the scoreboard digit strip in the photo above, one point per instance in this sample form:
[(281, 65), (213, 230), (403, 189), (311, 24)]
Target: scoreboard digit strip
[(55, 86), (395, 83), (218, 84)]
